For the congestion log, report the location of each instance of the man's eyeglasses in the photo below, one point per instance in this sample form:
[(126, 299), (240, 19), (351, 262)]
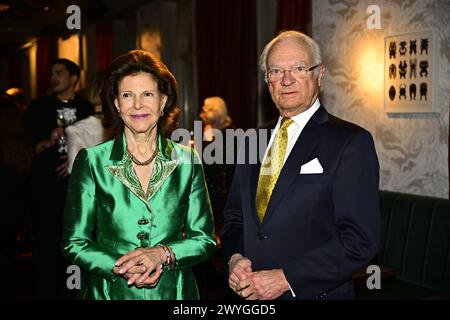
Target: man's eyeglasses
[(276, 74)]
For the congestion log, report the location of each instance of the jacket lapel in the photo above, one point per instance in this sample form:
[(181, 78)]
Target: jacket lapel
[(122, 168), (305, 144)]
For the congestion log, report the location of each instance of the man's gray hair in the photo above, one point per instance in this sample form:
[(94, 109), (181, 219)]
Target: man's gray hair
[(302, 39)]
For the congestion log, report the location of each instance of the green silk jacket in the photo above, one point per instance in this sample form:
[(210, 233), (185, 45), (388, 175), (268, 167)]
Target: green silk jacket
[(107, 214)]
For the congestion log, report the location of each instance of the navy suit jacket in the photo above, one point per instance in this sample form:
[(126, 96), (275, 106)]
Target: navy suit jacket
[(318, 228)]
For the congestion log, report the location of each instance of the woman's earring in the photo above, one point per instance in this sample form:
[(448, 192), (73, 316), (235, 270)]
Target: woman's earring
[(162, 112), (118, 110)]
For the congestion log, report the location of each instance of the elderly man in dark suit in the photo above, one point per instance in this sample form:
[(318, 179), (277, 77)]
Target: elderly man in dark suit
[(299, 223)]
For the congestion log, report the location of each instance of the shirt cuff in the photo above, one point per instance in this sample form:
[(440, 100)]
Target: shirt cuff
[(292, 291)]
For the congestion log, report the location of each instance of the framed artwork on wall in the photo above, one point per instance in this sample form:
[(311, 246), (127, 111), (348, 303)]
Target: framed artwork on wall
[(410, 72)]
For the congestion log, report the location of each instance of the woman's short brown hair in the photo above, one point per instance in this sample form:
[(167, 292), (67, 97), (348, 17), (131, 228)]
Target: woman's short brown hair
[(131, 63)]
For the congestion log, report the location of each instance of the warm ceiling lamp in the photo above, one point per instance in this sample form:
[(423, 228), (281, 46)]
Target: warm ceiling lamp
[(4, 7)]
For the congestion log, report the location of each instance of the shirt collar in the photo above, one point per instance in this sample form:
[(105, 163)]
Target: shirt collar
[(303, 117)]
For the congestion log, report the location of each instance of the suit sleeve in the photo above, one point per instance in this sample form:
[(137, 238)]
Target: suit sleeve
[(200, 241), (79, 222), (232, 234), (357, 224)]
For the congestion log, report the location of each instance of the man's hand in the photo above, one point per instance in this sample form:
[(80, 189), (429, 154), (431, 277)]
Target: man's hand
[(268, 284), (240, 271), (56, 134)]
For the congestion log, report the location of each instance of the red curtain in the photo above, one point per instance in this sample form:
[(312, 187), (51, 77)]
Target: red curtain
[(293, 14), (226, 56), (104, 45), (43, 65)]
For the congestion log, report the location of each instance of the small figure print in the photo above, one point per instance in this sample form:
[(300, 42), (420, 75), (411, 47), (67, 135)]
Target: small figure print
[(423, 68), (424, 46), (402, 49), (392, 71), (423, 91), (412, 47), (412, 68), (402, 92), (392, 93), (402, 69), (412, 91), (392, 49)]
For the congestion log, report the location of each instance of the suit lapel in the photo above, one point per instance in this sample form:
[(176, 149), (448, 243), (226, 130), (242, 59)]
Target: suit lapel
[(305, 144)]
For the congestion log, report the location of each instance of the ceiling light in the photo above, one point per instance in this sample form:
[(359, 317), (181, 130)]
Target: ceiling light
[(4, 7)]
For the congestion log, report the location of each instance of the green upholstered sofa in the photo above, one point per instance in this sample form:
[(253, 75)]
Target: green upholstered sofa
[(415, 249)]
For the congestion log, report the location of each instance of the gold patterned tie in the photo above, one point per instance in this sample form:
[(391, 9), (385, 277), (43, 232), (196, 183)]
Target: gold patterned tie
[(271, 168)]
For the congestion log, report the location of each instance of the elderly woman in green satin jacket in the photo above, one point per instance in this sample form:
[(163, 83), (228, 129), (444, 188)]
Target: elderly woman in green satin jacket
[(138, 215)]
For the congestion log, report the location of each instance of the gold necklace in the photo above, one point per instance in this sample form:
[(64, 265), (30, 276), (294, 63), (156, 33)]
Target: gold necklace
[(145, 163)]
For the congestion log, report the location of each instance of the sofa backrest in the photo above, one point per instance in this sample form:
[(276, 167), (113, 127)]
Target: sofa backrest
[(416, 238)]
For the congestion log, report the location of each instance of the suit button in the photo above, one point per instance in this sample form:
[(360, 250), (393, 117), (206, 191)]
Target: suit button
[(143, 221), (142, 235), (261, 236)]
